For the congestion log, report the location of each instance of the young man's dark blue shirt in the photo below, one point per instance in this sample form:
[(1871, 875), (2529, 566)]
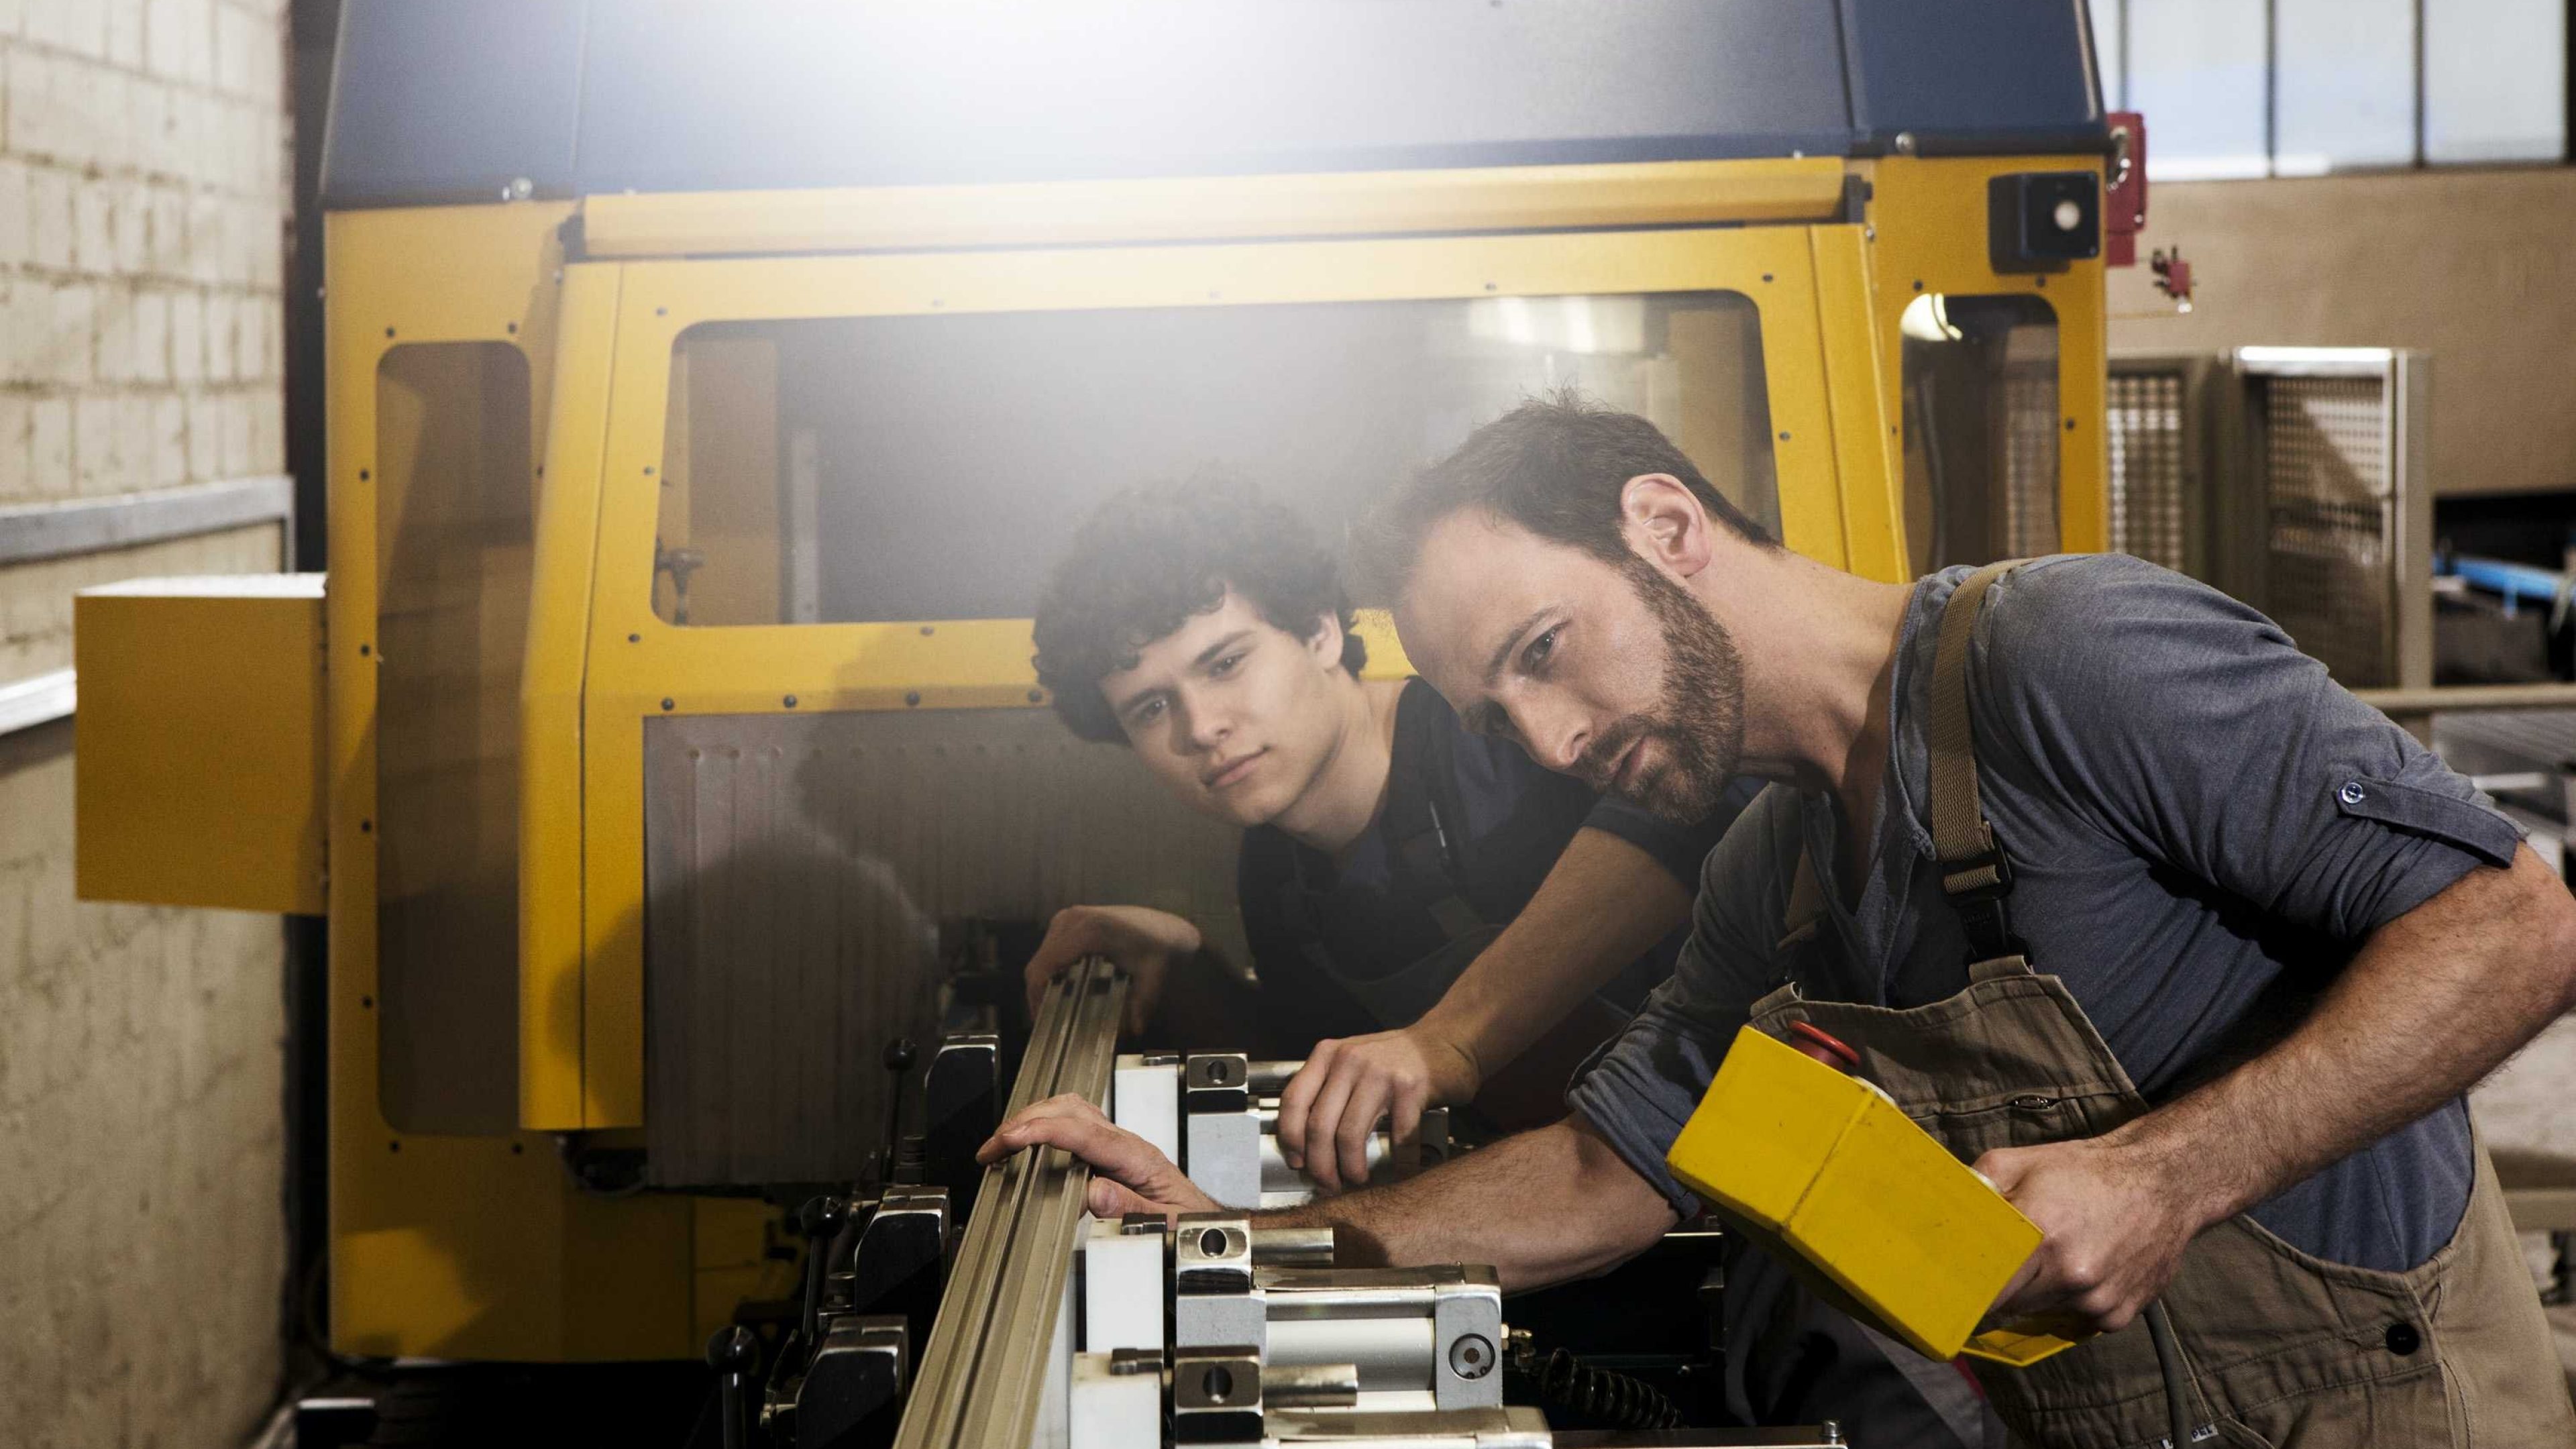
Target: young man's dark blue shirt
[(1471, 827)]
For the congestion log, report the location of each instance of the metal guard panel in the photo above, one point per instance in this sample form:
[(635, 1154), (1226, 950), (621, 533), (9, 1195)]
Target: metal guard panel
[(456, 101), (798, 870)]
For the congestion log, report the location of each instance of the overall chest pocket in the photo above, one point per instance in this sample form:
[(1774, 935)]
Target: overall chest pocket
[(2024, 1119)]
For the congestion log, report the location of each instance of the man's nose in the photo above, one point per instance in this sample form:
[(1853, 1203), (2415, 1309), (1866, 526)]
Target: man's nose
[(1556, 738), (1203, 725)]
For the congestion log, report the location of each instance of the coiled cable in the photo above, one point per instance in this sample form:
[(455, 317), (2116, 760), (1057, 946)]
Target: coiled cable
[(1618, 1400)]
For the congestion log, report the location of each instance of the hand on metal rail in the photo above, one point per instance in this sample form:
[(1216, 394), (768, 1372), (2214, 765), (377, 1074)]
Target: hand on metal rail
[(1128, 1174), (1328, 1110), (1143, 942)]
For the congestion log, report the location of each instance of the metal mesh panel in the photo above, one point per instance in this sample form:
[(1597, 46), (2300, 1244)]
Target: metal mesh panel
[(2030, 457), (2148, 476), (2326, 480), (796, 868)]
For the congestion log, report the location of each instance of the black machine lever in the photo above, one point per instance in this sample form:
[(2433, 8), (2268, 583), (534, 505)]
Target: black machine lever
[(900, 1055), (821, 1219), (735, 1356)]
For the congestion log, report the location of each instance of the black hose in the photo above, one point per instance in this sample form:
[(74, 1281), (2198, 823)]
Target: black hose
[(1614, 1398), (2169, 1359)]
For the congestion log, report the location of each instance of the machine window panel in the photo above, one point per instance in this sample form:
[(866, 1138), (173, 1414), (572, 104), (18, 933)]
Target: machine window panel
[(2197, 70), (2495, 80), (455, 483), (895, 468), (2346, 79), (1981, 429)]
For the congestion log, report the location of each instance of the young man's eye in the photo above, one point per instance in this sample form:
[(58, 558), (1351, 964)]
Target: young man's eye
[(1146, 713), (1540, 649), (1225, 666)]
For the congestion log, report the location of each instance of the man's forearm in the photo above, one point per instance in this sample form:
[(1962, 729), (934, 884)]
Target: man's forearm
[(2434, 1001), (1601, 906), (1541, 1207)]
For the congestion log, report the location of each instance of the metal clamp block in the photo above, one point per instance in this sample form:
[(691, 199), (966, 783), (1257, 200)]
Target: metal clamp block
[(1467, 1335), (1213, 1302), (1216, 1395)]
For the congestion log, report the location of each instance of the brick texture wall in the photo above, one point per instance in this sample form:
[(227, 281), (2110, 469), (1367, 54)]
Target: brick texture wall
[(142, 1234)]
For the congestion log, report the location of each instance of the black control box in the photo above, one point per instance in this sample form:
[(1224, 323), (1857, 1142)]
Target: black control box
[(2038, 221)]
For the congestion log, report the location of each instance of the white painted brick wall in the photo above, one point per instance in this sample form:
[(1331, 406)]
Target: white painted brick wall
[(142, 213)]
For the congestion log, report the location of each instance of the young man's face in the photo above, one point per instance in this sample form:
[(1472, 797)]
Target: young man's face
[(1617, 676), (1234, 714)]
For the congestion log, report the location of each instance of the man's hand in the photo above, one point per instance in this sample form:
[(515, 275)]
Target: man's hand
[(2116, 1227), (1328, 1109), (1143, 942), (1127, 1174)]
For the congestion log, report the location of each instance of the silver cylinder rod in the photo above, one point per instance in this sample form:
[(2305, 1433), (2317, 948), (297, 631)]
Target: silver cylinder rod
[(1310, 1386), (1292, 1247), (1390, 1353)]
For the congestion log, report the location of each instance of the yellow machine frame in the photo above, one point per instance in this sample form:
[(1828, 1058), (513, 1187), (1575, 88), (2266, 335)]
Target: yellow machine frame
[(478, 1247)]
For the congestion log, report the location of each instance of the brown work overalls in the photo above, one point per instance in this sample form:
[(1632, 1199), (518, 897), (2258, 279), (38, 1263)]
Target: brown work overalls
[(2281, 1348)]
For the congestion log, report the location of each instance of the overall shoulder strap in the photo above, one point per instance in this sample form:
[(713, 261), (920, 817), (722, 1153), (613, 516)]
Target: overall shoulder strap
[(1975, 873)]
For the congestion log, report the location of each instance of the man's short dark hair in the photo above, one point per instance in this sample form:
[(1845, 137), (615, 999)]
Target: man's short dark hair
[(1150, 558), (1554, 465)]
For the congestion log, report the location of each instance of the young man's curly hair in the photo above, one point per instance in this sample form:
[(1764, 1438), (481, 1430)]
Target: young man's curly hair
[(1150, 558)]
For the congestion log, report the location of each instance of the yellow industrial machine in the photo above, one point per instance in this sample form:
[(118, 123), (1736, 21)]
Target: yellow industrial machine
[(708, 386)]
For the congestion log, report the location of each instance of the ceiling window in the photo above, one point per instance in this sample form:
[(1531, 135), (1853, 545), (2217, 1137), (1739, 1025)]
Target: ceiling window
[(2244, 88)]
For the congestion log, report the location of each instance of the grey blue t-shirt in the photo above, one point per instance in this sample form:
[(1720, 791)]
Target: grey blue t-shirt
[(2203, 827)]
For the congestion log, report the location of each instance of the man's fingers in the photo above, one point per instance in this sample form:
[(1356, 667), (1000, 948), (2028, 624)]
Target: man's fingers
[(1317, 1145), (1297, 1098), (2002, 1168), (1109, 1199), (1359, 1119), (1044, 963), (2010, 1304), (1404, 1114), (1060, 1121)]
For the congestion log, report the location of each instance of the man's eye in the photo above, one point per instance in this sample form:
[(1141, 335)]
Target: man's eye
[(1147, 712), (1225, 666), (1535, 657)]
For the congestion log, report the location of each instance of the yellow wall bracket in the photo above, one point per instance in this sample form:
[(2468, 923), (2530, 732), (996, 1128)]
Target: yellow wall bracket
[(200, 774)]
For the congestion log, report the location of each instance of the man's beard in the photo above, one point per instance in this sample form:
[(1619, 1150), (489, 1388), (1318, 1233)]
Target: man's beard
[(1699, 722)]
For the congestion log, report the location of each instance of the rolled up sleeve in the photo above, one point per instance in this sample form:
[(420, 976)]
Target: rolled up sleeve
[(1641, 1086), (2192, 728)]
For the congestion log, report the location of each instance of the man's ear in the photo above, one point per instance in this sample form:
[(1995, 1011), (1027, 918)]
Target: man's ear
[(1664, 522), (1326, 642)]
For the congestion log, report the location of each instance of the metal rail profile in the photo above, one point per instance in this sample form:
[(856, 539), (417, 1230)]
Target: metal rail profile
[(984, 1371), (32, 533)]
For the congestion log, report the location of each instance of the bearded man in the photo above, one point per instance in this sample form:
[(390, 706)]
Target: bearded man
[(2187, 950)]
